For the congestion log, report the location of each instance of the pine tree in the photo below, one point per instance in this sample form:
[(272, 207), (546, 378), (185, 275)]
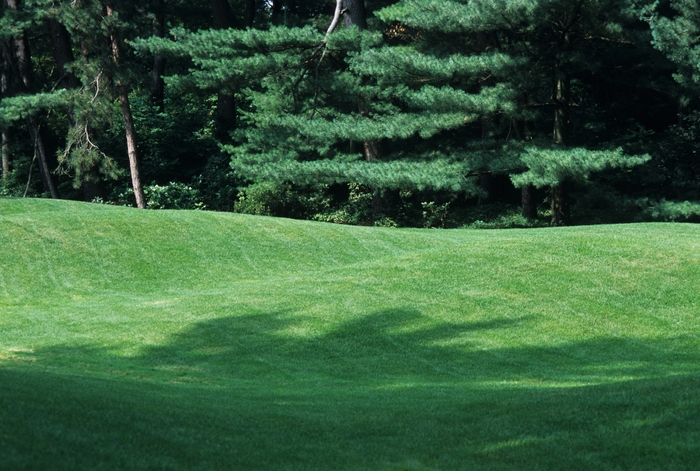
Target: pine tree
[(561, 43), (423, 89), (678, 36), (90, 85), (105, 76), (321, 102)]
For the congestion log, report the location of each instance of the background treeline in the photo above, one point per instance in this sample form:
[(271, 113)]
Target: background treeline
[(428, 113)]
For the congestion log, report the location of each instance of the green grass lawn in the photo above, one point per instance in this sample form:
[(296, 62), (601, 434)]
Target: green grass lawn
[(195, 340)]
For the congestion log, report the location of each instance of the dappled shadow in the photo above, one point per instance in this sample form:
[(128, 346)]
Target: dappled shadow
[(400, 344), (384, 344), (389, 390)]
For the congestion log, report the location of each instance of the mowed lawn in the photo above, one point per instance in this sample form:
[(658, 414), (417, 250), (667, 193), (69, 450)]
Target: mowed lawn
[(186, 340)]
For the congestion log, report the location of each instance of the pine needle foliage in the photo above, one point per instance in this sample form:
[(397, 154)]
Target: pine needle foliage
[(313, 99), (677, 36)]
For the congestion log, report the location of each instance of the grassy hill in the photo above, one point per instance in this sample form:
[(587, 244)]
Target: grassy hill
[(194, 340)]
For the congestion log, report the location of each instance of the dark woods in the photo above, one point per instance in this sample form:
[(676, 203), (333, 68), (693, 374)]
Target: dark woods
[(431, 113)]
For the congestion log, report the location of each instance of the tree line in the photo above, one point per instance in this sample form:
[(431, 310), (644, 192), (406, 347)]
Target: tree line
[(430, 113)]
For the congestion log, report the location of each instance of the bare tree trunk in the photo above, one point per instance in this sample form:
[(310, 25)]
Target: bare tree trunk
[(225, 103), (560, 204), (24, 69), (158, 86), (372, 151), (131, 146), (4, 89), (528, 203), (128, 124), (40, 154), (276, 12), (222, 14), (249, 13), (354, 14), (562, 123), (561, 96), (487, 182), (62, 53), (6, 155)]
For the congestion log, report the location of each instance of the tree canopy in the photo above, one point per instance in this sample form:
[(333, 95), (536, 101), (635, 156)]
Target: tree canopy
[(388, 112)]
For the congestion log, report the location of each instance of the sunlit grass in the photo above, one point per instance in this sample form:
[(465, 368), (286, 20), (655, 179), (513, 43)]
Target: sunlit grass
[(195, 340)]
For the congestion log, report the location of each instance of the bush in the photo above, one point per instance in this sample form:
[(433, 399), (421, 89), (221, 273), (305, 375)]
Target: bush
[(174, 195), (279, 199)]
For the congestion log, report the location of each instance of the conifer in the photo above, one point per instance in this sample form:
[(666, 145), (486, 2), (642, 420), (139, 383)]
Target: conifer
[(678, 36)]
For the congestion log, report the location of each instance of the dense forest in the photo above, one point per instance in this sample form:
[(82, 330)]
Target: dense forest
[(424, 113)]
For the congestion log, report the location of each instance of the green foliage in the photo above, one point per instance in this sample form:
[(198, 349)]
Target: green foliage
[(677, 36), (276, 199), (218, 184), (355, 210), (16, 108), (172, 196), (438, 174), (432, 95), (676, 163), (434, 214), (507, 221), (675, 211), (548, 167)]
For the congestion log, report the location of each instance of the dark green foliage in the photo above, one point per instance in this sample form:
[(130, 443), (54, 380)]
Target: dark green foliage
[(676, 35), (278, 199), (448, 101)]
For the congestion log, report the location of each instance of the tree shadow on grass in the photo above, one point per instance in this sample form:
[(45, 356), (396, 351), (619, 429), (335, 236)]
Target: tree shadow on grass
[(274, 391), (387, 344)]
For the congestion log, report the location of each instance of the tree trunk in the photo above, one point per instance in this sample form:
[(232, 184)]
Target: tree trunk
[(354, 14), (40, 153), (487, 182), (4, 89), (37, 136), (528, 202), (225, 103), (62, 53), (6, 156), (128, 123), (131, 146), (158, 85), (372, 151), (25, 71), (249, 13), (276, 12), (560, 205), (562, 124), (222, 14), (562, 95)]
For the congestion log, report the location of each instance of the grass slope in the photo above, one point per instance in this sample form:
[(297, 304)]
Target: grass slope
[(193, 340)]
